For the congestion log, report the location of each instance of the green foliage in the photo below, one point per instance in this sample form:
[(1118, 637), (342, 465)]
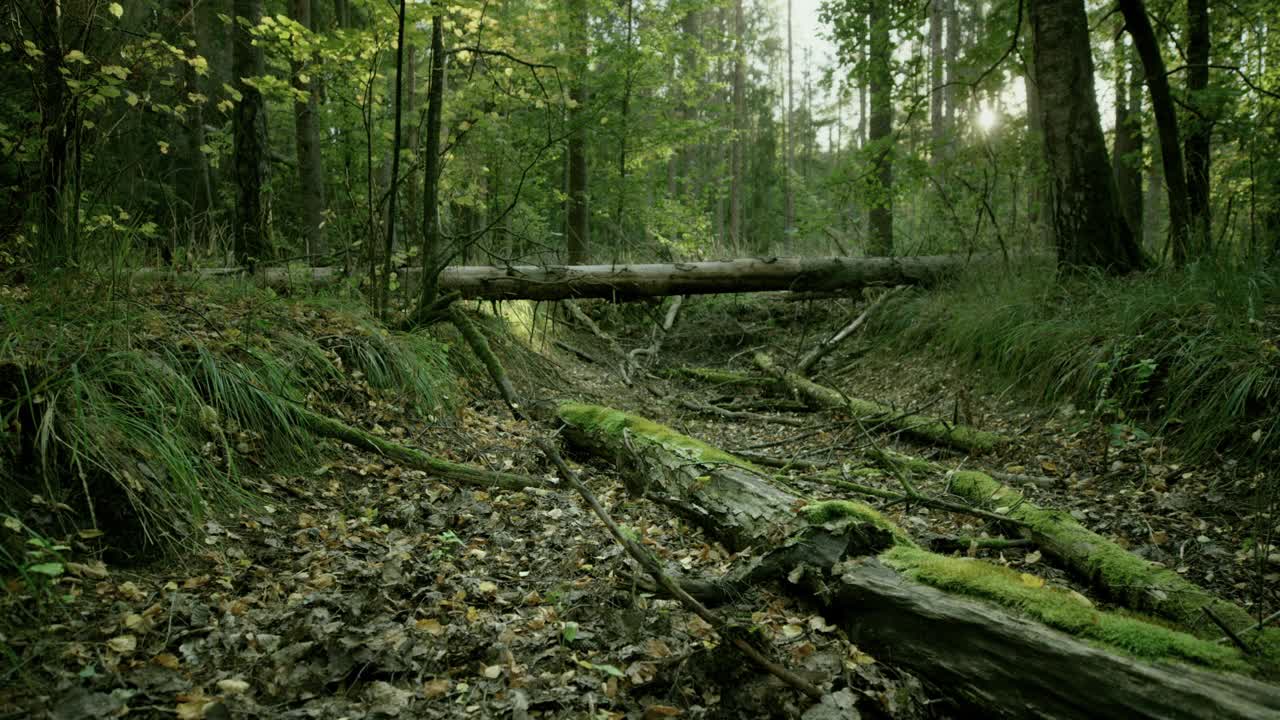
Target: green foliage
[(146, 410), (1186, 353)]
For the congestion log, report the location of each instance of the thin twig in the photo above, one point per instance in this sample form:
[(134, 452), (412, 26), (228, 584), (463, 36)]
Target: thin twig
[(650, 565)]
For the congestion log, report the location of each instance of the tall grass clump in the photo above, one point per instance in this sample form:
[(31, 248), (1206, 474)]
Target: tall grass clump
[(1193, 353), (145, 412)]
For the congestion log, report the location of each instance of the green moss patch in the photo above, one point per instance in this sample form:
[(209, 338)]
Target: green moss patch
[(607, 421), (1060, 609), (828, 511)]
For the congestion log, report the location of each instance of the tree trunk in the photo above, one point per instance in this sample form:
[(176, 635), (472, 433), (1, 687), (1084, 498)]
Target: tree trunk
[(577, 213), (306, 127), (1127, 157), (431, 241), (981, 634), (881, 82), (393, 186), (789, 141), (412, 190), (1144, 40), (937, 116), (952, 61), (1200, 126), (1089, 228), (653, 280), (739, 128), (249, 129), (57, 244)]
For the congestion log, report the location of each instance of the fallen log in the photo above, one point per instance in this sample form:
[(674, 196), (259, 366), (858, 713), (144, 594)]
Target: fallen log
[(929, 429), (625, 282), (1138, 583), (324, 426), (988, 636)]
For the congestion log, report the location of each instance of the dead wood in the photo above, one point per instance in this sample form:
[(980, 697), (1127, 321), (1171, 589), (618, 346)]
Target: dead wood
[(708, 409), (651, 566), (455, 472), (479, 345), (824, 348), (925, 428)]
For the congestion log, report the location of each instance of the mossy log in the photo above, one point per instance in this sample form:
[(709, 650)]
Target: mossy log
[(929, 429), (716, 376), (455, 472), (479, 345), (1126, 577), (988, 636)]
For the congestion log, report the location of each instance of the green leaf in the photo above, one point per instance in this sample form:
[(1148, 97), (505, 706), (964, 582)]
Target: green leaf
[(116, 9), (570, 632), (50, 569)]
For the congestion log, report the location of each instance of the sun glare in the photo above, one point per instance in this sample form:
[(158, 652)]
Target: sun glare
[(987, 119)]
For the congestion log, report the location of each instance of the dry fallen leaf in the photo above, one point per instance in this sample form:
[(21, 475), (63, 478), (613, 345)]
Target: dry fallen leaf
[(123, 644), (430, 626), (233, 686), (437, 688)]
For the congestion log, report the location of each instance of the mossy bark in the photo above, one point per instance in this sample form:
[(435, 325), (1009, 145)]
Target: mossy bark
[(455, 472), (480, 346), (998, 639), (716, 376), (1137, 583), (929, 429)]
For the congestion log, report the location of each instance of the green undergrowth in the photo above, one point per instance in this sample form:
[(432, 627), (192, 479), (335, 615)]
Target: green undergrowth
[(1063, 610), (1191, 353), (143, 412)]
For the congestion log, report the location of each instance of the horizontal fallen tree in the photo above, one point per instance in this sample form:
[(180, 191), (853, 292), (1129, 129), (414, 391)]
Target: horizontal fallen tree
[(988, 636), (933, 430), (624, 282)]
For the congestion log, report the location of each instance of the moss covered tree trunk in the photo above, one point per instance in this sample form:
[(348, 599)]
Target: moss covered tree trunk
[(994, 639)]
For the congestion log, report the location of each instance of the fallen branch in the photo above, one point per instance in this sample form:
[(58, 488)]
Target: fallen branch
[(930, 429), (416, 459), (650, 565), (480, 346), (737, 414), (825, 347)]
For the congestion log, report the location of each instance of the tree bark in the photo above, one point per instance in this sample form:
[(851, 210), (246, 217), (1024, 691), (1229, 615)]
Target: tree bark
[(306, 127), (57, 244), (393, 186), (1127, 157), (431, 240), (1200, 127), (789, 141), (1144, 40), (1089, 228), (739, 128), (937, 93), (881, 139), (249, 130), (578, 218)]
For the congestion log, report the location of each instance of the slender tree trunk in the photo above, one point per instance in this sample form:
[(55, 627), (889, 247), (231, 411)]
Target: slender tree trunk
[(431, 240), (204, 199), (411, 188), (1039, 185), (578, 213), (1200, 125), (881, 82), (937, 117), (306, 123), (739, 127), (1127, 157), (393, 187), (248, 125), (1089, 228), (789, 200), (1144, 40), (57, 241), (628, 82), (952, 57)]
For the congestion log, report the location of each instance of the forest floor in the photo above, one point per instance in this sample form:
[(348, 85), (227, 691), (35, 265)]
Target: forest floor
[(360, 588)]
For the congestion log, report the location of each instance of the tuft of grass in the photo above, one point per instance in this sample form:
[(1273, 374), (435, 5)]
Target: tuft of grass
[(1193, 352), (145, 412)]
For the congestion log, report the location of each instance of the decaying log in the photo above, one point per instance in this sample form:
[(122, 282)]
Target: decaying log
[(988, 636), (716, 376), (929, 429), (1137, 582), (480, 346), (456, 472), (825, 347), (625, 282), (737, 414)]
